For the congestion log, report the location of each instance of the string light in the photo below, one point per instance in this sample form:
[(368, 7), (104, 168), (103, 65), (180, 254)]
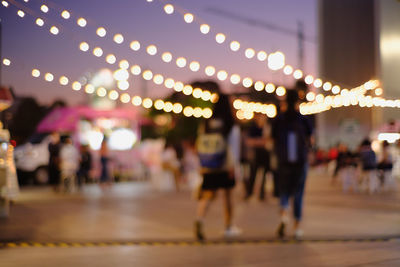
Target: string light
[(118, 38), (210, 70), (235, 79), (261, 55), (6, 62), (111, 59), (39, 22), (124, 64), (21, 13), (123, 85), (151, 50), (147, 75), (327, 86), (276, 60), (54, 30), (121, 75), (166, 57), (222, 75), (113, 95), (49, 77), (136, 70), (250, 53), (158, 79), (220, 38), (246, 110), (204, 28), (35, 73), (280, 91), (247, 82), (76, 86), (44, 8), (84, 46), (101, 92), (235, 46), (65, 14), (63, 80), (4, 3), (288, 70), (181, 62), (297, 74), (259, 86), (270, 88), (135, 100), (194, 66), (81, 22), (98, 52), (135, 45), (188, 17), (101, 32), (169, 9), (187, 90), (169, 83), (317, 83)]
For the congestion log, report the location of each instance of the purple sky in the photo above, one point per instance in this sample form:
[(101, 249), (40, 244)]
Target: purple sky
[(29, 46)]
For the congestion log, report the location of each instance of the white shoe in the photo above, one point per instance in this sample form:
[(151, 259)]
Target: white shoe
[(232, 231), (298, 234)]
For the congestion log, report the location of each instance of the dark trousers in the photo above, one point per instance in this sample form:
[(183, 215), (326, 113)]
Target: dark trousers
[(252, 178)]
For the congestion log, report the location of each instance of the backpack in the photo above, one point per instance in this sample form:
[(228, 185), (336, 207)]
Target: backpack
[(212, 150), (292, 142)]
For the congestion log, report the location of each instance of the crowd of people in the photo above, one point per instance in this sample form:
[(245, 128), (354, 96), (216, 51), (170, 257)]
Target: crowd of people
[(361, 170), (223, 151), (69, 166), (280, 147)]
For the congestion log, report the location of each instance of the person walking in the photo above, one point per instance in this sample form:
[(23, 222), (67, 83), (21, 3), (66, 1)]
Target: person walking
[(370, 180), (259, 155), (85, 164), (291, 132), (217, 166), (54, 160), (385, 167), (69, 157), (104, 161)]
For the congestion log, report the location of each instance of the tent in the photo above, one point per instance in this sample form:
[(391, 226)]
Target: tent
[(65, 119)]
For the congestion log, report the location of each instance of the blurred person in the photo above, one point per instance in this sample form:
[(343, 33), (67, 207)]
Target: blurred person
[(85, 164), (333, 153), (104, 164), (291, 132), (369, 181), (332, 159), (217, 168), (385, 167), (191, 167), (54, 160), (347, 169), (244, 163), (171, 163), (340, 161), (259, 156), (69, 157)]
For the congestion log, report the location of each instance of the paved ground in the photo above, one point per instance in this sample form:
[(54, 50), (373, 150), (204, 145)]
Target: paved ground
[(132, 224)]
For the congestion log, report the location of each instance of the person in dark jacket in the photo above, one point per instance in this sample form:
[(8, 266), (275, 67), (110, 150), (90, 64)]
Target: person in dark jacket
[(291, 132), (54, 160), (85, 164)]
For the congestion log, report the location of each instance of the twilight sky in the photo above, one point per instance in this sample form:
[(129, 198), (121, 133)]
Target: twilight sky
[(29, 46)]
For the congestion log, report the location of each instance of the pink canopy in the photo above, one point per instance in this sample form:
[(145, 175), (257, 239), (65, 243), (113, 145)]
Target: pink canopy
[(66, 119)]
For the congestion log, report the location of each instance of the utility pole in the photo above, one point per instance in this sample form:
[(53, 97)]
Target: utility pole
[(300, 44)]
